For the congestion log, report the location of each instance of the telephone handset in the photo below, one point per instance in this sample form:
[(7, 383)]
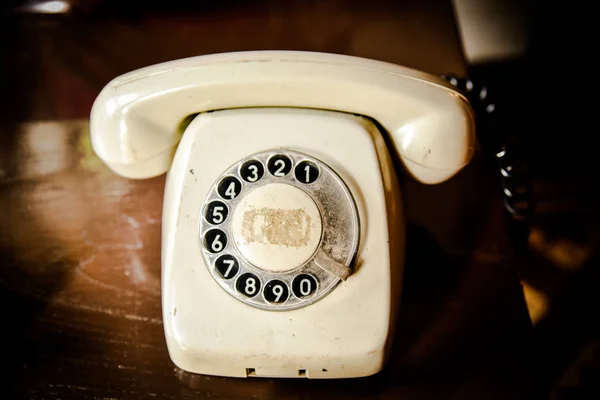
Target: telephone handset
[(283, 233)]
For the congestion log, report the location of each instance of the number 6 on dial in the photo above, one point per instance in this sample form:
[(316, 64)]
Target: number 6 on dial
[(215, 240)]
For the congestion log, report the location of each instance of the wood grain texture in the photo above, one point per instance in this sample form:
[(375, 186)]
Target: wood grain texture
[(80, 246), (80, 275)]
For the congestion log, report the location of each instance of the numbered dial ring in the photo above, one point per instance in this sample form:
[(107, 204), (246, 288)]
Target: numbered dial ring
[(279, 230)]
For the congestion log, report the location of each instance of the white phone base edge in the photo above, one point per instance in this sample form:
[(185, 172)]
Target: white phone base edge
[(136, 119), (347, 333)]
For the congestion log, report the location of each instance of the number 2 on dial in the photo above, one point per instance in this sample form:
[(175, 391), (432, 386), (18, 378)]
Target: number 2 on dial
[(280, 164)]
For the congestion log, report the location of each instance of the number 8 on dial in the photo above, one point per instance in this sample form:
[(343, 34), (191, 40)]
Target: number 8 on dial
[(248, 284)]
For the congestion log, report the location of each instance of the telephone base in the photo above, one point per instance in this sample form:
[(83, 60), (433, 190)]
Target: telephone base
[(344, 333)]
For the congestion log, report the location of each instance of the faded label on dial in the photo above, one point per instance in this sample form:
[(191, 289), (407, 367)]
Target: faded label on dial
[(277, 226)]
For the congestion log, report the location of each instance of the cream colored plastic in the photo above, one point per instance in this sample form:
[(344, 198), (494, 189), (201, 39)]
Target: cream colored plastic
[(345, 334), (276, 257), (136, 120)]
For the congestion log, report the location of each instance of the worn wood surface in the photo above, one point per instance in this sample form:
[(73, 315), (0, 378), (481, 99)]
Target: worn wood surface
[(80, 280), (80, 246)]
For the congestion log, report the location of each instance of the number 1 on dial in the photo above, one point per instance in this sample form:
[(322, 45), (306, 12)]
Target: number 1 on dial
[(306, 172)]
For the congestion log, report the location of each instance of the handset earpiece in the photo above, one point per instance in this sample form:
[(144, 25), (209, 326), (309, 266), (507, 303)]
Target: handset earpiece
[(135, 120)]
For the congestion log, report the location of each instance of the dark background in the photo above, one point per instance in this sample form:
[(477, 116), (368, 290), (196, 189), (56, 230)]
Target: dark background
[(483, 315)]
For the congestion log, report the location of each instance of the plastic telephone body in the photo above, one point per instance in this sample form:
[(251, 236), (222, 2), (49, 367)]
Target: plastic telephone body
[(283, 230), (345, 333)]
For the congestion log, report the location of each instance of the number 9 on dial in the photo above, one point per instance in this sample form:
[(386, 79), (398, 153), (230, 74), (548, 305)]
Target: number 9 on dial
[(276, 292)]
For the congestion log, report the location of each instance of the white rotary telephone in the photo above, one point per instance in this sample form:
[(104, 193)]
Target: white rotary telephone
[(283, 230)]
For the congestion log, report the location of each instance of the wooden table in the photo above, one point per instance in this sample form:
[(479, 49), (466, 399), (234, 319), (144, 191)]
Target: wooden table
[(80, 280), (80, 246)]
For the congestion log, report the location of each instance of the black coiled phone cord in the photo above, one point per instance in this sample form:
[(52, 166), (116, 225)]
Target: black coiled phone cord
[(508, 150)]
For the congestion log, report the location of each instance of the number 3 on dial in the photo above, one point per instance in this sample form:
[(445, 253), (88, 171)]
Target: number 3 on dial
[(252, 170)]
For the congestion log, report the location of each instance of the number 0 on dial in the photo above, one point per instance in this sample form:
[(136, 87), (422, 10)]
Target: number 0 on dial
[(304, 285)]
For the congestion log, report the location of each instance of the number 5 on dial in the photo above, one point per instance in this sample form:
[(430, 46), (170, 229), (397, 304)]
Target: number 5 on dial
[(216, 212)]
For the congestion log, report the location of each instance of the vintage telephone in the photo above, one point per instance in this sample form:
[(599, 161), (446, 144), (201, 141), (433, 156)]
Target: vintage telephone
[(283, 232)]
